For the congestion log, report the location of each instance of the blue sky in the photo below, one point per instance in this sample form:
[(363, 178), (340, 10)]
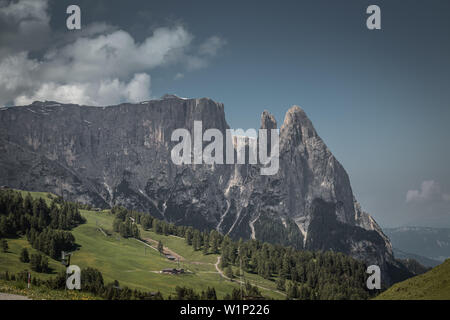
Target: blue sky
[(379, 99)]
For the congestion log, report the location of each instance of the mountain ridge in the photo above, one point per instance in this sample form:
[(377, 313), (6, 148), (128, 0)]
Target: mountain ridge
[(121, 155), (431, 243)]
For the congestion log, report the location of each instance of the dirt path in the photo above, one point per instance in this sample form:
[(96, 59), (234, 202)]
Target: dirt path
[(146, 244), (165, 249), (218, 269), (7, 296), (216, 265), (104, 233), (241, 282)]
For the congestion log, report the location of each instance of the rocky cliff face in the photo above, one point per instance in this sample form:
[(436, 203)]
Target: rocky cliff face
[(121, 155)]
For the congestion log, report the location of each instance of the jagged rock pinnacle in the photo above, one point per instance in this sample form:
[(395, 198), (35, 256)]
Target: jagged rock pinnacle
[(268, 120)]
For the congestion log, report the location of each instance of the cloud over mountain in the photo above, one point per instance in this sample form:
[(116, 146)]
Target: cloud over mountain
[(98, 65), (430, 203), (430, 190)]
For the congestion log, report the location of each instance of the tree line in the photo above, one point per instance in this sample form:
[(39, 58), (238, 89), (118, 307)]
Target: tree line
[(125, 224), (46, 227), (301, 274), (91, 281)]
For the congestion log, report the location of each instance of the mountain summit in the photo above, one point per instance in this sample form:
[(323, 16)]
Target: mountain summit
[(120, 155)]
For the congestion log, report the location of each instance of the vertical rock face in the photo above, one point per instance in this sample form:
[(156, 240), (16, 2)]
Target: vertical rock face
[(309, 203), (121, 155)]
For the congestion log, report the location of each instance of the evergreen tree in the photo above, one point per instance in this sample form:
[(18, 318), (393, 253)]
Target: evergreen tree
[(293, 292), (24, 256), (205, 249), (229, 272), (5, 246), (213, 243), (189, 236), (281, 284), (160, 247), (209, 294), (39, 263), (196, 241), (91, 280)]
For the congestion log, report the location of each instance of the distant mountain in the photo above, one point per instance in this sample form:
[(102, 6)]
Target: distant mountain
[(432, 285), (432, 243), (120, 155), (413, 266), (427, 262)]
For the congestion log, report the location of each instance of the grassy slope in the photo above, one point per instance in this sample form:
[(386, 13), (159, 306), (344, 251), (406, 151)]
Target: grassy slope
[(432, 285), (10, 262), (47, 196), (127, 261), (43, 293)]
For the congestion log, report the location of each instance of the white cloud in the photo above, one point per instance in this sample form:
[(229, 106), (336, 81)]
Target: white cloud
[(25, 9), (139, 88), (114, 54), (13, 68), (101, 65), (179, 76), (24, 25), (104, 92), (211, 46), (430, 190), (429, 203)]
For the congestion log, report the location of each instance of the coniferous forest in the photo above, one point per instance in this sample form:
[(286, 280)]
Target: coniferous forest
[(299, 274), (47, 228)]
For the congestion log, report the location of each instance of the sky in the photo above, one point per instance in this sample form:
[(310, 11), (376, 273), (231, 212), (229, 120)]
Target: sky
[(378, 98)]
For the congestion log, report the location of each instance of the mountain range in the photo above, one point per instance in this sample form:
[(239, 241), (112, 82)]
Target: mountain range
[(120, 155), (429, 246)]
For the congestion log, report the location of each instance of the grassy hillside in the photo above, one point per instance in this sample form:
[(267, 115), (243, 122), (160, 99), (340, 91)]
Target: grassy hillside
[(10, 262), (432, 285), (133, 263), (43, 293)]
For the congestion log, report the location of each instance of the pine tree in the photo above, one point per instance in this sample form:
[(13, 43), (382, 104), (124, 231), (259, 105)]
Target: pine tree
[(39, 263), (266, 273), (205, 246), (44, 265), (160, 247), (285, 271), (294, 291), (213, 243), (281, 284), (211, 294), (5, 246), (229, 272), (189, 235), (165, 229), (24, 256), (196, 241), (156, 226)]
